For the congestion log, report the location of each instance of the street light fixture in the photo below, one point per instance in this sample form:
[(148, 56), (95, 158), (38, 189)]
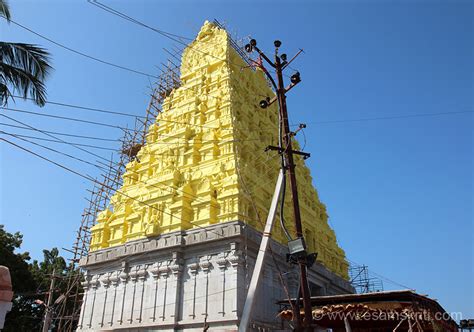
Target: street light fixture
[(295, 78)]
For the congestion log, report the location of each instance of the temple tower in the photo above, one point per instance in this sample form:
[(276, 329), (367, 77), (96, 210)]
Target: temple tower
[(176, 247)]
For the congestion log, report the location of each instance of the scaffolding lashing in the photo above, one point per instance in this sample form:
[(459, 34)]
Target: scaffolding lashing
[(69, 308), (135, 139), (237, 44), (67, 312), (362, 281)]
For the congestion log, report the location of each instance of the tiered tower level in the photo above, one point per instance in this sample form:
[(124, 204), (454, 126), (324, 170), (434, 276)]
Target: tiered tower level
[(204, 161)]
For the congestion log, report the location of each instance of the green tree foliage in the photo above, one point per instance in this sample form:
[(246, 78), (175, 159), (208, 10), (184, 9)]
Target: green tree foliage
[(25, 315), (22, 278), (30, 282), (52, 262), (23, 68)]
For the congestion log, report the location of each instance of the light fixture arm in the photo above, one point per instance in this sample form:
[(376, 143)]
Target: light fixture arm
[(264, 57)]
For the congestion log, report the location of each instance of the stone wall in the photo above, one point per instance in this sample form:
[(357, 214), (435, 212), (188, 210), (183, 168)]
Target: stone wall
[(184, 280)]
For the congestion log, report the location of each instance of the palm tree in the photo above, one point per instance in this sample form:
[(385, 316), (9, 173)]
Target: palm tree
[(23, 68)]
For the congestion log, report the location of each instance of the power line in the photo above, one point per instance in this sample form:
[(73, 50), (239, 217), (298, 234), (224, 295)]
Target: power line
[(78, 147), (88, 108), (150, 75), (57, 141), (53, 150), (336, 121), (393, 117), (100, 110), (90, 56), (120, 66), (389, 117), (128, 18), (63, 134), (317, 122), (87, 177), (168, 35), (107, 62), (73, 144), (83, 54), (88, 145), (117, 127), (287, 169), (115, 65), (65, 118), (52, 136), (382, 277), (230, 141), (91, 153)]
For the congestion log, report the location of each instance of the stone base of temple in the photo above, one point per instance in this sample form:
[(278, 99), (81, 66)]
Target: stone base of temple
[(190, 280)]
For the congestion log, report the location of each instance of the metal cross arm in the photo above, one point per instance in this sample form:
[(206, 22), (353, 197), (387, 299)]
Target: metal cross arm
[(281, 150)]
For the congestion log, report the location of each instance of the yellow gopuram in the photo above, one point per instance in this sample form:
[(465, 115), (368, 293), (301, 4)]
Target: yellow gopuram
[(204, 160)]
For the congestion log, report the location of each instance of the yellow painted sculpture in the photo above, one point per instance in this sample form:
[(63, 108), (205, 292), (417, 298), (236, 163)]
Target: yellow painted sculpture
[(204, 160)]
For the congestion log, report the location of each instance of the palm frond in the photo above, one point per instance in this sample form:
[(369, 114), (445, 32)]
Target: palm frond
[(22, 81), (24, 67), (5, 10), (5, 94), (31, 58)]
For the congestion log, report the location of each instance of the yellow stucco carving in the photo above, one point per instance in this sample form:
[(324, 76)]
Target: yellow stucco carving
[(204, 160)]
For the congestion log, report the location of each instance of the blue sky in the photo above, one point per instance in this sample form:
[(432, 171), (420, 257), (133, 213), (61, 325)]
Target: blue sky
[(399, 191)]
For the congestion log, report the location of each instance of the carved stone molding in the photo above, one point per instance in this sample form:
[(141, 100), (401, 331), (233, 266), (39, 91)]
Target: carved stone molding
[(123, 276), (105, 279), (176, 269), (165, 242), (134, 273), (163, 271), (205, 264), (222, 262), (176, 264), (235, 258), (95, 282), (193, 268), (155, 270), (115, 278), (85, 284), (142, 273)]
